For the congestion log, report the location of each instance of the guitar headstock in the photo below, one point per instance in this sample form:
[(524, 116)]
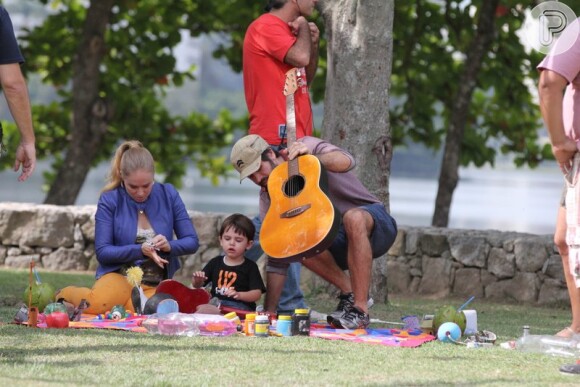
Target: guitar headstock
[(291, 83)]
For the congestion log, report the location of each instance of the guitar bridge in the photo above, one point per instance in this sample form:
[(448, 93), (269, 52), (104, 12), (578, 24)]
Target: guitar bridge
[(295, 211)]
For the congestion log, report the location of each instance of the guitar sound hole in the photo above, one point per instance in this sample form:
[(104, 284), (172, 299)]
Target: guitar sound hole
[(294, 185)]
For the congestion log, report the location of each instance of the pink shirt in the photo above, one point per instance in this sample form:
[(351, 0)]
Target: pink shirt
[(567, 64)]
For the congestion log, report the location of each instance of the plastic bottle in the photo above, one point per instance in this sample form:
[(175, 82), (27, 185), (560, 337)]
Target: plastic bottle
[(284, 326), (249, 324), (550, 345), (261, 326), (301, 322)]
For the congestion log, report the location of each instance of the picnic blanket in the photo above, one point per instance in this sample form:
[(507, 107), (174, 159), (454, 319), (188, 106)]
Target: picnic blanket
[(410, 338), (89, 321)]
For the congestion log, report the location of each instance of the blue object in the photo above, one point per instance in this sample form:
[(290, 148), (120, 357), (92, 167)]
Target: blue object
[(466, 303), (448, 332), (167, 306)]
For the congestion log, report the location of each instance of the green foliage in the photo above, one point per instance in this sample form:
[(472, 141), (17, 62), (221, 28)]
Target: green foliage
[(138, 67), (430, 43)]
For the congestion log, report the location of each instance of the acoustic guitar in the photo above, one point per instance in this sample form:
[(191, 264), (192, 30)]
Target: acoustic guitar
[(301, 221)]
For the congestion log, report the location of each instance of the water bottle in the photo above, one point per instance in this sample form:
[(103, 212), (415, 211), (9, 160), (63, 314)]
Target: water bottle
[(550, 345)]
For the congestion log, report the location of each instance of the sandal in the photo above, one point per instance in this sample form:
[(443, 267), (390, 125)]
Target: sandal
[(566, 333)]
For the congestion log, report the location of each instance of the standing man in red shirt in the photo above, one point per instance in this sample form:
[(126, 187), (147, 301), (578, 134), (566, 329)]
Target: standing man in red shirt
[(277, 41)]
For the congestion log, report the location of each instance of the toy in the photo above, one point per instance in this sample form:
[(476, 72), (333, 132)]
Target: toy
[(117, 312), (448, 332)]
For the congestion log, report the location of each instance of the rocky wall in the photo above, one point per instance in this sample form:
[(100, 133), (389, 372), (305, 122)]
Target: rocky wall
[(431, 262)]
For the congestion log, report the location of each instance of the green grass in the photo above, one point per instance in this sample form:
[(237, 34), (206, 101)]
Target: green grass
[(98, 357)]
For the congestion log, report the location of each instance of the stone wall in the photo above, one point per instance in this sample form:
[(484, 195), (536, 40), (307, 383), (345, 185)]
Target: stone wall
[(429, 262)]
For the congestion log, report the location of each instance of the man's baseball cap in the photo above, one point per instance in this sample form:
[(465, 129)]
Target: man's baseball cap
[(246, 154)]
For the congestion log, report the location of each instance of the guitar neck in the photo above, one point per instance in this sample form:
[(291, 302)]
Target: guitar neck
[(290, 120)]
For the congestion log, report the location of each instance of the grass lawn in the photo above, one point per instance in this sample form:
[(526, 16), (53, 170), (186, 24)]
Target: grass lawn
[(42, 357)]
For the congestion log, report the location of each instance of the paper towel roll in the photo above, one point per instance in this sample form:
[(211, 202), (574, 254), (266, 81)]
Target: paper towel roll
[(471, 322)]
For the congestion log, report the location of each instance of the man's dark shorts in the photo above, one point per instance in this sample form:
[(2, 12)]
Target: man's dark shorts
[(382, 237)]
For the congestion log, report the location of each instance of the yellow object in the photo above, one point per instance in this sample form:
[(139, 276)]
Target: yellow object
[(233, 317), (135, 276), (109, 290), (249, 324)]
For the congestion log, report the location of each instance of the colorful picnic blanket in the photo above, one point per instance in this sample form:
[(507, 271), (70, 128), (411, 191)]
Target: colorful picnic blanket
[(88, 321), (409, 338), (384, 336)]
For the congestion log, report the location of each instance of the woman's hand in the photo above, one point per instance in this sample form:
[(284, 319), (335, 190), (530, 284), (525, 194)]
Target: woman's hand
[(160, 243), (197, 279), (148, 249)]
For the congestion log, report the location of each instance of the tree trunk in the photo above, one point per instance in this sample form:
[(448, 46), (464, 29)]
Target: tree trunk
[(90, 112), (449, 175), (356, 105)]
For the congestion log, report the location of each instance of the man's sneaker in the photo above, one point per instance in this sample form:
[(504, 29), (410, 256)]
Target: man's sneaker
[(346, 302), (354, 318)]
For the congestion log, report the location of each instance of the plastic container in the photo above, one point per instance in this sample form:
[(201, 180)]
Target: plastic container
[(183, 324), (172, 324), (549, 345), (249, 324), (284, 325), (232, 316), (215, 325), (261, 325), (301, 322)]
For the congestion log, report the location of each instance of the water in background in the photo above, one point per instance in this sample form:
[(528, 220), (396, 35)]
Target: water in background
[(506, 199)]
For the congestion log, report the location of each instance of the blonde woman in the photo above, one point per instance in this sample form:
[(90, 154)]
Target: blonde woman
[(135, 224)]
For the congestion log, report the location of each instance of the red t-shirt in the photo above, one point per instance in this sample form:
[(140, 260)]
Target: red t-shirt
[(266, 43)]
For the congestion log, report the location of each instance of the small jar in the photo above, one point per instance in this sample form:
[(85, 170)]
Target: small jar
[(249, 324), (284, 326), (301, 322), (262, 324)]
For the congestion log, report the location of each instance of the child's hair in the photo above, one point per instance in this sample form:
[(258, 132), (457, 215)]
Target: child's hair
[(241, 224)]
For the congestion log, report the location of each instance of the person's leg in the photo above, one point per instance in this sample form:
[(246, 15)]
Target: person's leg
[(324, 265), (276, 275), (291, 296), (358, 226), (109, 290), (573, 291)]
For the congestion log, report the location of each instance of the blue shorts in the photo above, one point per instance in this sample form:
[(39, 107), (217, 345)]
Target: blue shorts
[(382, 237)]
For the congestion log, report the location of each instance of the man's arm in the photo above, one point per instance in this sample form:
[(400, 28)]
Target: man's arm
[(551, 91), (299, 54), (16, 93), (313, 64)]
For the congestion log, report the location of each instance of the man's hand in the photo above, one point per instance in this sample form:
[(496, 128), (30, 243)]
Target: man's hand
[(314, 33), (564, 154), (25, 157)]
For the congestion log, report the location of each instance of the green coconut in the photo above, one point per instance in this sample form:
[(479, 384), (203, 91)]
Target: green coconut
[(448, 313), (42, 295)]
